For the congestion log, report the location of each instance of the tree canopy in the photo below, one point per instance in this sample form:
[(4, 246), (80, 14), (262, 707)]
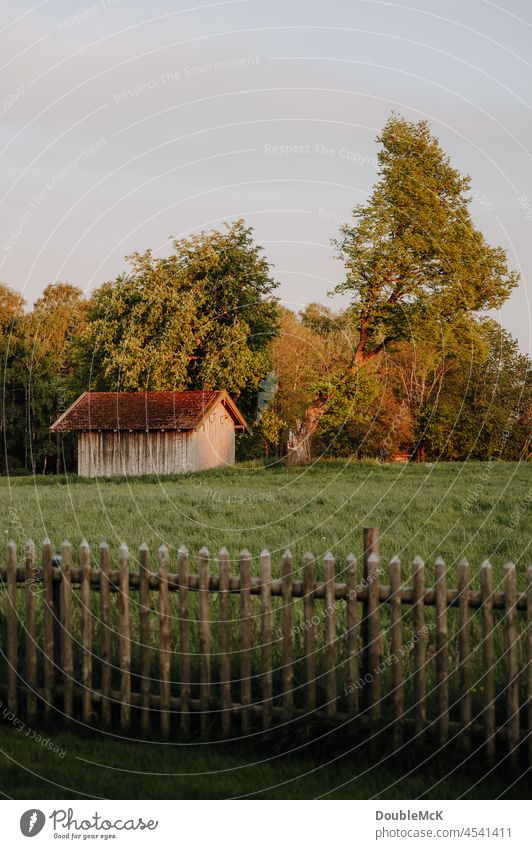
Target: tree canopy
[(413, 255), (200, 318), (466, 394)]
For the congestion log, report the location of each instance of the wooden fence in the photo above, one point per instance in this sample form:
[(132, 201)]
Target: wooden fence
[(223, 652)]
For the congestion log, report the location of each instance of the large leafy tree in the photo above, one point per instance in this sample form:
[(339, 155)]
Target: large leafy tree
[(202, 317), (413, 257), (413, 253)]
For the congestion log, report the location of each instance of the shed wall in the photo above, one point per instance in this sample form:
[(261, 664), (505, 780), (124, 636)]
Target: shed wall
[(213, 443), (107, 453)]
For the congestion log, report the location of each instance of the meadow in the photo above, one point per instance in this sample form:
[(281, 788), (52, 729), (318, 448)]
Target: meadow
[(474, 510), (477, 510)]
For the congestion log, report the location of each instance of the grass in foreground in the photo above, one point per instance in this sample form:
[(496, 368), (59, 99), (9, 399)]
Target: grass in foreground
[(477, 510), (102, 766)]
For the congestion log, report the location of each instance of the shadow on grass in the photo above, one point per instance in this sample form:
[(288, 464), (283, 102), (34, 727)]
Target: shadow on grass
[(306, 762)]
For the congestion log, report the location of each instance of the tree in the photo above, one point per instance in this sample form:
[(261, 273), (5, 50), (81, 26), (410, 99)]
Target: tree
[(11, 308), (315, 343), (350, 418), (45, 369), (483, 410), (466, 395), (269, 429), (201, 318), (413, 258), (11, 311)]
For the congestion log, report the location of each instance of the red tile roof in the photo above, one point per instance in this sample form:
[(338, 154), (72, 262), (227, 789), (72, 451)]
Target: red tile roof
[(144, 410)]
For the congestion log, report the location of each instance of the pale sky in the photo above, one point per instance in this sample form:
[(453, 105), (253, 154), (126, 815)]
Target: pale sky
[(125, 123)]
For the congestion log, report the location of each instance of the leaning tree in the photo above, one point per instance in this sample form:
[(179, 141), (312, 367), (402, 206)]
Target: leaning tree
[(413, 257)]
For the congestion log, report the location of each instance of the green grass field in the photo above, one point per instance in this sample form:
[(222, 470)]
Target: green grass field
[(100, 765), (477, 510)]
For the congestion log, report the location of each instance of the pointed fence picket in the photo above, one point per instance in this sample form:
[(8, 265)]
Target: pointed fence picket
[(321, 641)]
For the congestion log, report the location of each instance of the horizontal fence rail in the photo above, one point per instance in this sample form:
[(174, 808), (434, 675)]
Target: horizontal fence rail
[(221, 651)]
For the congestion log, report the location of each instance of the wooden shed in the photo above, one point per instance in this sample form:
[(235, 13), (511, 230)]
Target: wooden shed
[(140, 433)]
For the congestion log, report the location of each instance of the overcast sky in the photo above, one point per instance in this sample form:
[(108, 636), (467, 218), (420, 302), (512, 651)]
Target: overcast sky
[(126, 123)]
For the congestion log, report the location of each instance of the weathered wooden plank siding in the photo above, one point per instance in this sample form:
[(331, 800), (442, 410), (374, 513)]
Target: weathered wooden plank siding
[(132, 453), (107, 453)]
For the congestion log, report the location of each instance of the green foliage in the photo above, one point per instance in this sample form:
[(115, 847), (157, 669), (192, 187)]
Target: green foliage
[(13, 421), (484, 407), (454, 390), (269, 429), (309, 346), (350, 411), (412, 254), (447, 384), (200, 318), (37, 370), (11, 309)]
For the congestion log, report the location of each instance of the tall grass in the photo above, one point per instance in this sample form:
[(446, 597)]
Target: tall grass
[(476, 510)]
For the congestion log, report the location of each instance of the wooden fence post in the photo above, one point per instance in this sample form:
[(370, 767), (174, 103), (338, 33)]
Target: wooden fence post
[(105, 633), (266, 638), (12, 641), (48, 626), (308, 625), (442, 650), (529, 661), (488, 658), (225, 642), (125, 638), (371, 545), (374, 637), (30, 667), (464, 651), (144, 636), (164, 633), (204, 641), (287, 658), (330, 636), (67, 651), (420, 651), (57, 598), (351, 635), (86, 631), (184, 643), (512, 664), (398, 665), (245, 637)]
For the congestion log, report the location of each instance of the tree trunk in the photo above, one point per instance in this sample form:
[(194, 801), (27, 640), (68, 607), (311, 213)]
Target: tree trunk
[(57, 454), (300, 440)]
